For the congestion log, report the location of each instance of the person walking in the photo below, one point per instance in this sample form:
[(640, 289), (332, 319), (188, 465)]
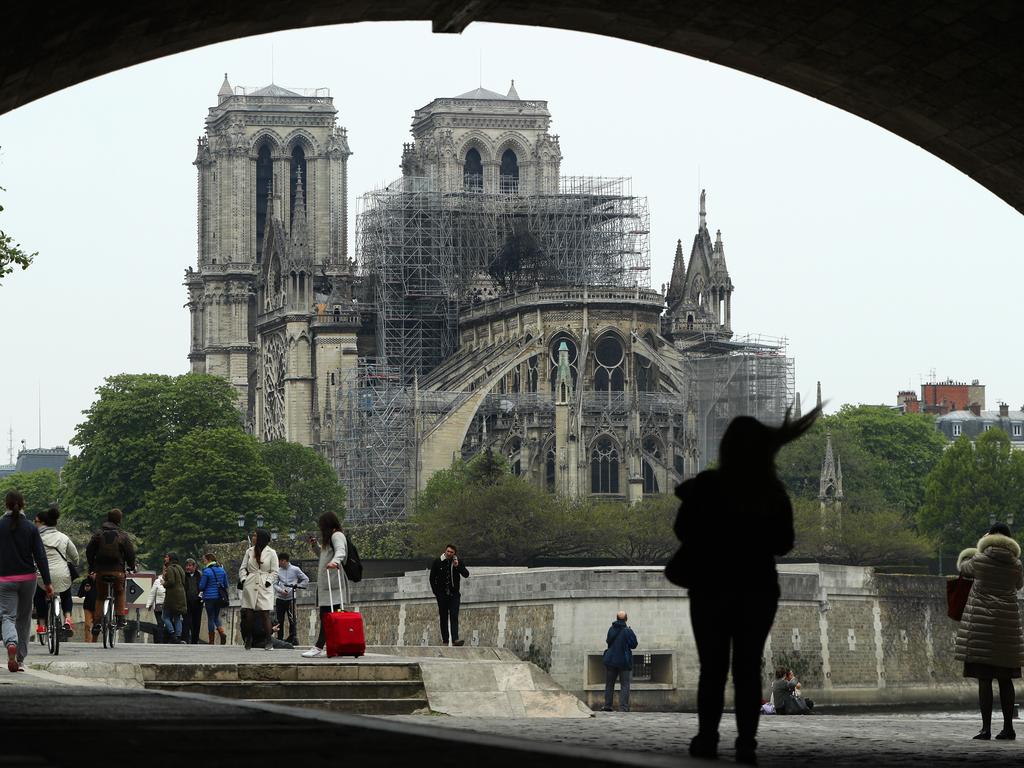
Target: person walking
[(155, 603), (213, 585), (289, 578), (175, 603), (110, 553), (618, 662), (333, 548), (446, 573), (87, 591), (989, 640), (258, 574), (21, 553), (61, 554), (193, 603), (733, 601)]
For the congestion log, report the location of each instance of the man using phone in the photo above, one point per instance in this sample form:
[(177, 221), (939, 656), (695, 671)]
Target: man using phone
[(446, 574)]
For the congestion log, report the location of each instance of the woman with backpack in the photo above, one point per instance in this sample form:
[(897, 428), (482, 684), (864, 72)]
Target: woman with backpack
[(333, 552), (258, 574), (61, 556), (21, 553), (213, 586)]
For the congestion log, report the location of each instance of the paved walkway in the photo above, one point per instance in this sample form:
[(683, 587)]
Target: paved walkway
[(836, 741)]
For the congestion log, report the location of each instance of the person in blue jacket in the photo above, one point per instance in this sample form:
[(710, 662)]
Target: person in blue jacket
[(213, 586), (618, 662)]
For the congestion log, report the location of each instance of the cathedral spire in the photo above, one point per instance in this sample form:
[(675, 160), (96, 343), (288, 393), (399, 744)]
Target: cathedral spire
[(703, 215), (299, 210), (830, 488), (797, 410), (819, 395), (225, 90), (677, 285)]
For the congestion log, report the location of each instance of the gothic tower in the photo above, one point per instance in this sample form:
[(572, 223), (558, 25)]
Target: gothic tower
[(272, 176), (830, 487)]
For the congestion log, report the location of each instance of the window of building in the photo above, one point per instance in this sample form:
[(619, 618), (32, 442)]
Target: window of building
[(956, 430), (264, 182), (986, 428), (650, 479), (604, 466), (609, 358), (646, 378), (573, 362), (532, 374), (1016, 430), (473, 172), (549, 470), (298, 165), (509, 175)]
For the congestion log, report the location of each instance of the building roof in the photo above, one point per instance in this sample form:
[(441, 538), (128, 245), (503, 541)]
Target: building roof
[(7, 469), (484, 93), (274, 90), (31, 459), (985, 415)]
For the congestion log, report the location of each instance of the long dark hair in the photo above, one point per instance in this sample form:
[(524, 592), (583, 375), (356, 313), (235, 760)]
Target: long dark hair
[(328, 523), (15, 502), (750, 446), (262, 539)]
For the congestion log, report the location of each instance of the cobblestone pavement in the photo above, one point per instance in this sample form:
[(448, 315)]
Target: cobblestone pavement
[(837, 741)]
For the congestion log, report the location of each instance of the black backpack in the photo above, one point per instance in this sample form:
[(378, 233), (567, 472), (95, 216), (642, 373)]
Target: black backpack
[(353, 566)]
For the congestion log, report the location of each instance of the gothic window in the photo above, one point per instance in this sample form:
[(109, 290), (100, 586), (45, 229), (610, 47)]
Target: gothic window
[(264, 180), (549, 470), (650, 479), (298, 165), (573, 362), (515, 446), (509, 175), (516, 380), (679, 464), (609, 359), (646, 376), (689, 322), (473, 172), (274, 373), (604, 466), (532, 373), (652, 446)]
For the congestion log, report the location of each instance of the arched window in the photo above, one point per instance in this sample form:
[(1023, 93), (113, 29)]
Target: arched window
[(549, 470), (515, 445), (604, 466), (573, 362), (650, 480), (509, 175), (646, 375), (473, 172), (264, 180), (689, 322), (609, 360), (532, 373), (298, 165)]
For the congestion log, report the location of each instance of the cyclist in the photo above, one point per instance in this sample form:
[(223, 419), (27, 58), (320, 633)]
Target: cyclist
[(290, 577), (61, 554), (110, 552)]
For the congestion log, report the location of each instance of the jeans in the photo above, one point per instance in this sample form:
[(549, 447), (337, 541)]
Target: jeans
[(16, 613), (448, 612), (625, 677), (286, 610), (172, 623), (741, 622), (213, 622)]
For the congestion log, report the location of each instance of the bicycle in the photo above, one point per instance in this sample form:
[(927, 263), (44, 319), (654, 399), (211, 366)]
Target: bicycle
[(108, 625), (54, 624)]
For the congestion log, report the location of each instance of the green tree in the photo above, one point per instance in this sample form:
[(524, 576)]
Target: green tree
[(864, 537), (640, 534), (309, 484), (39, 488), (972, 484), (127, 430), (11, 253), (203, 483)]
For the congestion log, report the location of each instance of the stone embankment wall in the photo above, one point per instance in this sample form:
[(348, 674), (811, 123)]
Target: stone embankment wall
[(852, 636)]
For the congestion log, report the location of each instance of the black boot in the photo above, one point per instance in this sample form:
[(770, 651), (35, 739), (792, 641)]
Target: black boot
[(1007, 734), (704, 746), (746, 751), (984, 735)]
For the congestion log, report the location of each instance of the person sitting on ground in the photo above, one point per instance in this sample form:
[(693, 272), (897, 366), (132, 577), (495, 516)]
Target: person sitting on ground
[(784, 694)]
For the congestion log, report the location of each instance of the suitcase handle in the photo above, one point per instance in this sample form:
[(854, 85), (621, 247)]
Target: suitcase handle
[(330, 592)]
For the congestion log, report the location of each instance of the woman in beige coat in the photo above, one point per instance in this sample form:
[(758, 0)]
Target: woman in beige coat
[(989, 640), (258, 574)]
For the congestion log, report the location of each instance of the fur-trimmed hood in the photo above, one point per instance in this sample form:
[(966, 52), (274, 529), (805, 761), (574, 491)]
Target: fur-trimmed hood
[(998, 540), (964, 556)]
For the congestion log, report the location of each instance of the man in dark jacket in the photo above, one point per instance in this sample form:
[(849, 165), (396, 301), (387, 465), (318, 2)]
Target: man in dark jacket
[(618, 662), (194, 602), (446, 574), (175, 603), (109, 553)]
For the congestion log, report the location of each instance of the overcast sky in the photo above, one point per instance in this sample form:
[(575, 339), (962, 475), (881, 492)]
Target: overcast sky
[(878, 262)]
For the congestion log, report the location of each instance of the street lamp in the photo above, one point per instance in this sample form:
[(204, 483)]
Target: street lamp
[(291, 534), (273, 534), (241, 521), (259, 521)]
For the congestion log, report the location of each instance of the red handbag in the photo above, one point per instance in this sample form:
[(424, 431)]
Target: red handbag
[(957, 591)]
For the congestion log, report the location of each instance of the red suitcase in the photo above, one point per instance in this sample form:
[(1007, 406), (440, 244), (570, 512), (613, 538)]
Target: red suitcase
[(343, 629)]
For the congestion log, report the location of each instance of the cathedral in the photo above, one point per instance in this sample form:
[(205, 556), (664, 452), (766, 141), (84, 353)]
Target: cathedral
[(492, 304)]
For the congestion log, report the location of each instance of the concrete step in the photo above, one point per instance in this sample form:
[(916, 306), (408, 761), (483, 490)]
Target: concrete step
[(309, 689), (312, 670), (360, 706)]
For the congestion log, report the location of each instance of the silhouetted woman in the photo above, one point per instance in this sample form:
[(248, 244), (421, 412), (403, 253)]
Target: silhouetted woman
[(258, 573), (989, 640), (732, 523)]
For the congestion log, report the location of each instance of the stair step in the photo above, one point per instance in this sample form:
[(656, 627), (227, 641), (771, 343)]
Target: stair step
[(359, 706), (297, 672), (276, 689)]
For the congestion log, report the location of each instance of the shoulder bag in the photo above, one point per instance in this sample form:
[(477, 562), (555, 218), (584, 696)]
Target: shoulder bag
[(957, 591)]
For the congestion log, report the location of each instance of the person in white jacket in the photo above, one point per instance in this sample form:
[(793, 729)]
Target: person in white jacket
[(258, 574), (60, 553), (156, 604)]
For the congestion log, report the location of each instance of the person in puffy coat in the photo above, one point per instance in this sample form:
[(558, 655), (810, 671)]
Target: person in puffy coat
[(989, 640), (258, 574), (60, 552)]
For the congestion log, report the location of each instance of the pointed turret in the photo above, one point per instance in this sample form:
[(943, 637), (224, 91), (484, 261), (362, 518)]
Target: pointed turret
[(677, 285), (563, 380), (797, 410), (512, 93), (830, 488), (225, 91), (819, 395)]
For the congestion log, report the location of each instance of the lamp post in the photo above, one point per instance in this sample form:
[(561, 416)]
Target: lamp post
[(259, 521), (273, 534)]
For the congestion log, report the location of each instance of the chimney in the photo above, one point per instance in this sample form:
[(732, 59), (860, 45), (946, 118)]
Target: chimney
[(975, 409), (1004, 410)]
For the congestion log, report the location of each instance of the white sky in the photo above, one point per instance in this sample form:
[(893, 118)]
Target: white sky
[(878, 261)]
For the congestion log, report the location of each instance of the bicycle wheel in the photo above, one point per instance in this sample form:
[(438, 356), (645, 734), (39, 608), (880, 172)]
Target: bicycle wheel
[(105, 622), (113, 626), (53, 626)]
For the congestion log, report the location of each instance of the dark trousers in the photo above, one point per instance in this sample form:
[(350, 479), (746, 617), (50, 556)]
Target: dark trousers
[(193, 621), (286, 611), (321, 639), (448, 613), (39, 601), (625, 677), (740, 622)]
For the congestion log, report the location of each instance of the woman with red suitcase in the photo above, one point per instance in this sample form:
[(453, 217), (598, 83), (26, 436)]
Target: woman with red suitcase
[(333, 551)]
